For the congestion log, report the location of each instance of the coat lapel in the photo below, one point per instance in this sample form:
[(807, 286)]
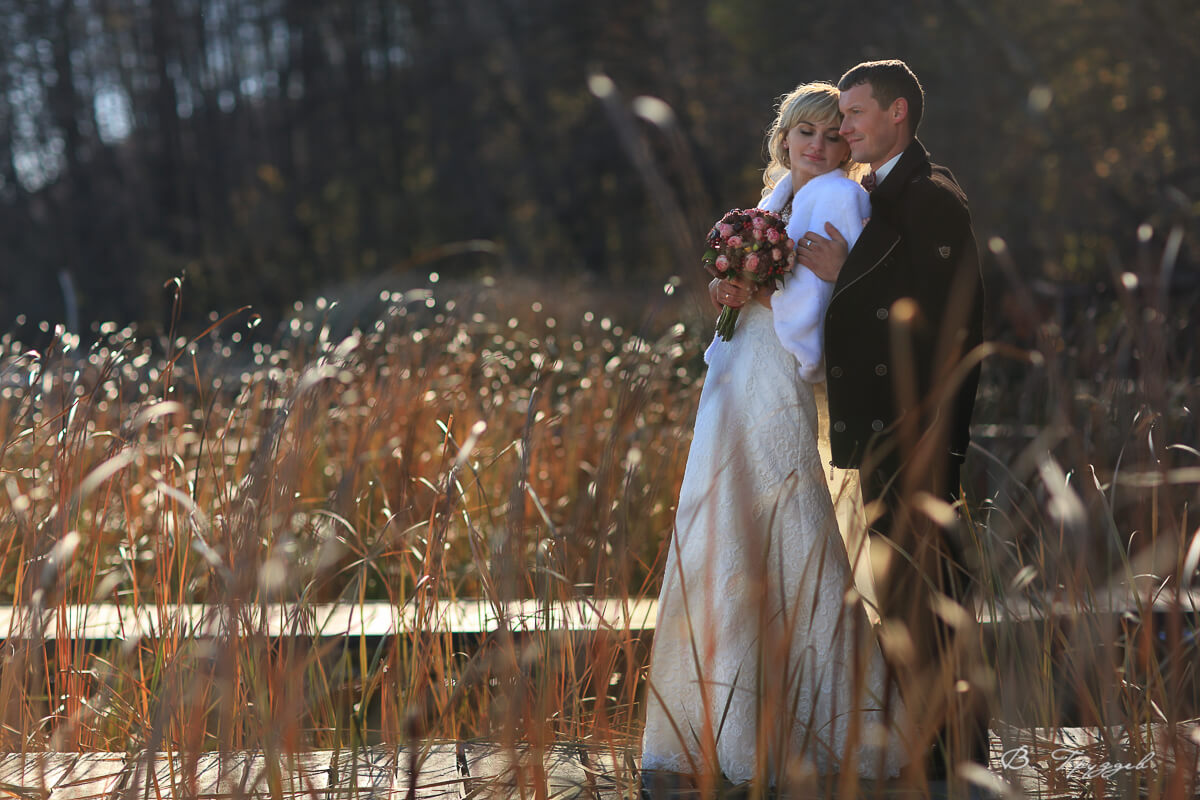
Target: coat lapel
[(875, 243), (881, 236)]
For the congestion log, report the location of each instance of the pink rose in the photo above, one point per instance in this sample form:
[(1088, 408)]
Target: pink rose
[(777, 254), (735, 241), (759, 223), (772, 236), (751, 263), (725, 229), (722, 263), (758, 235)]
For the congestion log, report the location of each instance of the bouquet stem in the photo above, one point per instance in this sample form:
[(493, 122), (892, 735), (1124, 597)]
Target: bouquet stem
[(726, 323)]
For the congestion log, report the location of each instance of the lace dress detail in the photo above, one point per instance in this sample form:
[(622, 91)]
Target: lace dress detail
[(755, 650)]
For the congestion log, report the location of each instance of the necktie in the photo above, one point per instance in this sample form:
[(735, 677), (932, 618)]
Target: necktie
[(869, 182)]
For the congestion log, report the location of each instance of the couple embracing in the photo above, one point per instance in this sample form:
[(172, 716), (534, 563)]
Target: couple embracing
[(764, 665)]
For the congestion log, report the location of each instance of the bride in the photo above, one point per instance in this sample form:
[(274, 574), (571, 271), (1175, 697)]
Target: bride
[(764, 665)]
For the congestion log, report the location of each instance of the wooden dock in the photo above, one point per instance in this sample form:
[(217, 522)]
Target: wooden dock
[(449, 771), (1084, 646), (101, 621), (1026, 763)]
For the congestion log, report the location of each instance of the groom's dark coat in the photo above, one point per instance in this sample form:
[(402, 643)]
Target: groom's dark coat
[(919, 245)]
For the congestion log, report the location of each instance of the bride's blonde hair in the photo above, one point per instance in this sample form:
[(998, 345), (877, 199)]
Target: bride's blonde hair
[(816, 103)]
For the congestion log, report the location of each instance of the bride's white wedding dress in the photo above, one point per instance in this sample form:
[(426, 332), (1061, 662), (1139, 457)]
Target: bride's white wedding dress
[(759, 659)]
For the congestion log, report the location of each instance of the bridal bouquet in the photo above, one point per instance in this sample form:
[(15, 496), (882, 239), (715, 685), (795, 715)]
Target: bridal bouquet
[(751, 244)]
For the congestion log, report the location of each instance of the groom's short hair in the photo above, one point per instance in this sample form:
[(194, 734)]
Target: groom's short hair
[(889, 79)]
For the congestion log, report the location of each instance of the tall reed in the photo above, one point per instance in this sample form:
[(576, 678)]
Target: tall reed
[(497, 440)]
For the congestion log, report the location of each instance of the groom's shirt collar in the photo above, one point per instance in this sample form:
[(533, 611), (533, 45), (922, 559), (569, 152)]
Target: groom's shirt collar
[(883, 171)]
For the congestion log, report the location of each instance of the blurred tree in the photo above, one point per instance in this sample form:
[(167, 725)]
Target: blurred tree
[(273, 148)]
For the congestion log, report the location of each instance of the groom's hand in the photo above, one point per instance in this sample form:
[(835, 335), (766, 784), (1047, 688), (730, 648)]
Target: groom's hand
[(824, 257)]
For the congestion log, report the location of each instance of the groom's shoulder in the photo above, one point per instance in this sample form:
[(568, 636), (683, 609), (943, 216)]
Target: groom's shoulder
[(940, 183), (936, 193)]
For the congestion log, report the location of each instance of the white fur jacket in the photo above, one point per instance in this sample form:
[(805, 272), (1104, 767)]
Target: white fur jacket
[(799, 307)]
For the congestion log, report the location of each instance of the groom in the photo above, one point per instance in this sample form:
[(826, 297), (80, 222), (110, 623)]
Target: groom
[(905, 315)]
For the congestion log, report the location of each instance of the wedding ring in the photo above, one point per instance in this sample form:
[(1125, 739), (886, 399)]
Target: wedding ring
[(808, 242)]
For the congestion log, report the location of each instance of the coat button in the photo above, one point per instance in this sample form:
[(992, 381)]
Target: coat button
[(839, 426), (881, 313), (835, 372), (881, 370), (877, 425)]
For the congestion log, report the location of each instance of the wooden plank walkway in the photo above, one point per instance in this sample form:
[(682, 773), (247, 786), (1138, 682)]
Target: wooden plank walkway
[(1026, 763), (334, 620), (328, 620), (439, 771)]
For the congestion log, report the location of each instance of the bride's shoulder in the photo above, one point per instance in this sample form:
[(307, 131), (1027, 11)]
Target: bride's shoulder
[(834, 188), (835, 182)]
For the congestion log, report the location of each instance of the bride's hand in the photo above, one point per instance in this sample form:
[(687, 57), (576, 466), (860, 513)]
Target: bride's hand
[(753, 291), (732, 293)]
